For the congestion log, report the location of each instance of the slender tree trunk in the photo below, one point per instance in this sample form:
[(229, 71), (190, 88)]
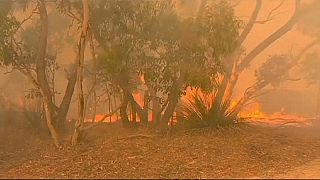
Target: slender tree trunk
[(66, 101), (123, 111), (167, 115), (41, 72), (155, 104), (230, 87), (115, 104), (239, 67), (145, 108), (93, 53), (173, 99), (94, 106), (109, 107), (141, 113), (53, 132), (271, 39), (81, 49), (134, 114)]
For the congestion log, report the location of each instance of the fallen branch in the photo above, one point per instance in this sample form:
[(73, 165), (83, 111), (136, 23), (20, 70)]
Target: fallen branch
[(291, 122), (137, 136), (101, 120)]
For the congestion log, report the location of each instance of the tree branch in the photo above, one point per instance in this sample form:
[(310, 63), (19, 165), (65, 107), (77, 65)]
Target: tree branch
[(271, 39), (271, 15), (251, 22), (102, 119)]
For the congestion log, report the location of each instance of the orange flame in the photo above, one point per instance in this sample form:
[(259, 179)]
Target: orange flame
[(254, 114)]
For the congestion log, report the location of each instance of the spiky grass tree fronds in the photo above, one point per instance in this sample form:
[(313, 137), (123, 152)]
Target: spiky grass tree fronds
[(202, 110)]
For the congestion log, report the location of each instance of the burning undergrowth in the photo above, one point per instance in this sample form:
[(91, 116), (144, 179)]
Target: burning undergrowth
[(253, 114), (204, 110)]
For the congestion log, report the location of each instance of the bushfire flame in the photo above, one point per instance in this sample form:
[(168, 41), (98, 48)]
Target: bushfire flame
[(254, 114)]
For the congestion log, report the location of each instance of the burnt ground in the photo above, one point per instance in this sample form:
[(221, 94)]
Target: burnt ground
[(110, 151)]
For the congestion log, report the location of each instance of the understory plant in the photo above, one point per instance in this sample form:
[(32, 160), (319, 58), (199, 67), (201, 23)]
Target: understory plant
[(202, 109)]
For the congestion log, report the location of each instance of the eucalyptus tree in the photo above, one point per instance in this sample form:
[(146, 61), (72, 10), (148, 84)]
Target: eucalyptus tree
[(80, 68), (13, 54), (148, 39), (239, 60), (21, 51), (276, 69)]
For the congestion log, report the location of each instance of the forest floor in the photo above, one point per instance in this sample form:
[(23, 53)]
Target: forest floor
[(110, 151)]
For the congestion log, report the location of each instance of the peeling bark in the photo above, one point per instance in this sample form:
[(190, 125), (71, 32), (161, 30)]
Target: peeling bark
[(81, 49), (41, 72)]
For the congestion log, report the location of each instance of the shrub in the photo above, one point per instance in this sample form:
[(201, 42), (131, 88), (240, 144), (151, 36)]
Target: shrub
[(203, 110)]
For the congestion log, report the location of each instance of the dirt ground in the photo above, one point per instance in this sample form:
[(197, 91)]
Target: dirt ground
[(110, 151)]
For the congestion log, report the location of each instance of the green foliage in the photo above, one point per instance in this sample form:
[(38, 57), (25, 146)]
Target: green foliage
[(148, 38), (19, 46), (201, 110), (33, 93), (8, 26), (274, 70), (193, 47), (222, 28)]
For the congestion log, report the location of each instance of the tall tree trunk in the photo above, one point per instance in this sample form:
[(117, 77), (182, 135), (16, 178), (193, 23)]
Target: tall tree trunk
[(66, 101), (168, 113), (245, 62), (230, 87), (226, 87), (141, 113), (41, 72), (94, 94), (145, 108), (123, 110), (155, 104), (49, 119), (173, 99), (94, 106), (271, 39), (262, 84), (81, 49), (123, 85), (134, 114), (115, 104)]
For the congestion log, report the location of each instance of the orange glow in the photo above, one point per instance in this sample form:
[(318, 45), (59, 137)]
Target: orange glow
[(99, 117), (253, 114), (253, 111)]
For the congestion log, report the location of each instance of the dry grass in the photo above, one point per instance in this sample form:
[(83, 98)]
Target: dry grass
[(111, 152)]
